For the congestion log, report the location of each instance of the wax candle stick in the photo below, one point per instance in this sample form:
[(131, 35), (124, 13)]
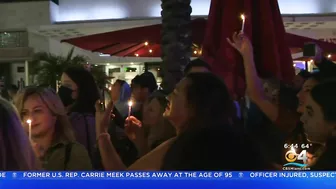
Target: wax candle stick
[(130, 104), (243, 22), (29, 129)]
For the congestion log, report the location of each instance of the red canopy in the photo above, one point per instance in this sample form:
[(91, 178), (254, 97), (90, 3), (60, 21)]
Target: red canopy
[(132, 41), (264, 26), (141, 41)]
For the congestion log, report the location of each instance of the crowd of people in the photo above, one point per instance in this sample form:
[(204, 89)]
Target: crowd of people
[(198, 126)]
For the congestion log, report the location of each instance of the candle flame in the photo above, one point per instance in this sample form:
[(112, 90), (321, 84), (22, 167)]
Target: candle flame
[(130, 103), (29, 121), (242, 17)]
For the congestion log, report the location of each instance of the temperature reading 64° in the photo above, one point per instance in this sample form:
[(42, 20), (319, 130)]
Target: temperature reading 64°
[(305, 146)]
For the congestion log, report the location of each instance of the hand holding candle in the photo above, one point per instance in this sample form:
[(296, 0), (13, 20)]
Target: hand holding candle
[(29, 129), (243, 22)]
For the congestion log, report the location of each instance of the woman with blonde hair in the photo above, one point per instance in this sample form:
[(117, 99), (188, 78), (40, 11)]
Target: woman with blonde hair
[(16, 153), (51, 132)]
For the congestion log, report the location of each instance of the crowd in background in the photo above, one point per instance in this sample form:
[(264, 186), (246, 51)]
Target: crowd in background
[(199, 126)]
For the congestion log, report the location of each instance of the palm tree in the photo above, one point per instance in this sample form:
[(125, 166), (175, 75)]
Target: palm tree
[(48, 67), (176, 40)]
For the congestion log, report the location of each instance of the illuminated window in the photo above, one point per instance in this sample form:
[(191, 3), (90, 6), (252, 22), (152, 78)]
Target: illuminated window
[(13, 39)]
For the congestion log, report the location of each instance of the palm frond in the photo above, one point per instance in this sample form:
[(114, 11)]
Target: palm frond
[(49, 67), (70, 53)]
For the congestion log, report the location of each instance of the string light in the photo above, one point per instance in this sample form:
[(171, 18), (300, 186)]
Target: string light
[(195, 52), (329, 55), (294, 65), (137, 55), (146, 43), (150, 50)]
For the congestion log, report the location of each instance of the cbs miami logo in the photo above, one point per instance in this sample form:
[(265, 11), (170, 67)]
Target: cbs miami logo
[(296, 160)]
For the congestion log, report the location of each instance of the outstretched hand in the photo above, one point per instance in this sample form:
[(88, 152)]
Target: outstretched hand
[(242, 44)]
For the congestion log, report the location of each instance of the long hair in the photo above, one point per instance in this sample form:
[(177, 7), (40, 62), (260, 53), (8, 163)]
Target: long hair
[(209, 100), (63, 128), (16, 151), (88, 92)]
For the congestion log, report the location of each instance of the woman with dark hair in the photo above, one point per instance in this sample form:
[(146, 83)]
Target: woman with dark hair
[(319, 121), (79, 93), (200, 100)]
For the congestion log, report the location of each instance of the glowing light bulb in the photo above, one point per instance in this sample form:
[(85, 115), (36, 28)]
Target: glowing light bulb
[(130, 103), (150, 50), (195, 52), (136, 54), (146, 43), (329, 55)]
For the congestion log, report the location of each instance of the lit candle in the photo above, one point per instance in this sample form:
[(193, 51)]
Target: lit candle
[(29, 129), (130, 103), (243, 23)]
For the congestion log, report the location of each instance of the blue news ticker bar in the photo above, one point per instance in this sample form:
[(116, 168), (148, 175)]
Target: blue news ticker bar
[(167, 180), (165, 175)]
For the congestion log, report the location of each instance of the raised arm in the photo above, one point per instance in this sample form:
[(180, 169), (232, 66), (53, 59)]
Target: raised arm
[(110, 157), (254, 89)]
